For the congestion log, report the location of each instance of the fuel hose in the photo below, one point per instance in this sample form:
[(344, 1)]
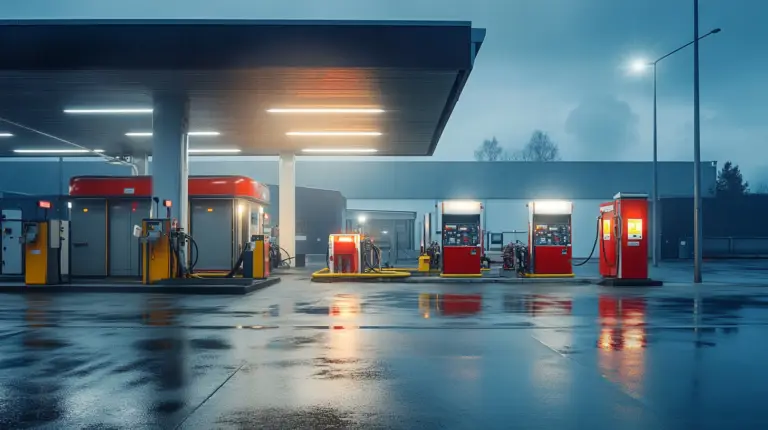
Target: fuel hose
[(594, 245)]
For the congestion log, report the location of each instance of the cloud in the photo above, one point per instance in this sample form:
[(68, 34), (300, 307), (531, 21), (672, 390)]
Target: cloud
[(603, 127)]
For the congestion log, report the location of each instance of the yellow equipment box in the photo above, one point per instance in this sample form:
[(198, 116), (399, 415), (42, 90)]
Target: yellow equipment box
[(159, 262), (424, 262)]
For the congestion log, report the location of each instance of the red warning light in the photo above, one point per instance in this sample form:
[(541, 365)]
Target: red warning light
[(44, 204)]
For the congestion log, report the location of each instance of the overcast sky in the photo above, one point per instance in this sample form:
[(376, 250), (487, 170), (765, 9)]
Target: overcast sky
[(555, 65)]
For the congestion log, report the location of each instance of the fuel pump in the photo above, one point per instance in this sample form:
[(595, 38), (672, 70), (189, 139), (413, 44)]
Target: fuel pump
[(623, 236), (256, 263), (353, 253), (549, 239), (430, 249), (345, 253), (46, 249), (159, 262), (462, 251), (46, 256)]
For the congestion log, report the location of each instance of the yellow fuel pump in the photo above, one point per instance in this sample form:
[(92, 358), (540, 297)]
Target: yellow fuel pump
[(45, 257), (256, 262), (159, 259)]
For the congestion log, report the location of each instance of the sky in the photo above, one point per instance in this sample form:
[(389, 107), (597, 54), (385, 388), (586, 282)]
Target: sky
[(560, 66)]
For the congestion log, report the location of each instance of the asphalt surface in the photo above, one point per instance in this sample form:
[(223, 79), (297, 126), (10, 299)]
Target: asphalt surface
[(303, 355)]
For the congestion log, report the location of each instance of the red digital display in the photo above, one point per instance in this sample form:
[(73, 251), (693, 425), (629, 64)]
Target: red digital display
[(44, 204)]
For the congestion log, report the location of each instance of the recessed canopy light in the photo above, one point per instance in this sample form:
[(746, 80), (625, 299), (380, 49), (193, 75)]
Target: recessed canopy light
[(6, 134), (215, 151), (333, 133), (191, 133), (110, 111), (56, 151), (325, 110), (340, 150)]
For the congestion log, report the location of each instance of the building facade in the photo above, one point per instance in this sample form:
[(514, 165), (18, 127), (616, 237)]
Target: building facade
[(416, 187)]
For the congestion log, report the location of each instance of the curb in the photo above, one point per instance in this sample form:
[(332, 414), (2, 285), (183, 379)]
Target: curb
[(210, 289)]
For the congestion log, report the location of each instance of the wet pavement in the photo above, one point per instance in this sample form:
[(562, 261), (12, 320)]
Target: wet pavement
[(303, 355)]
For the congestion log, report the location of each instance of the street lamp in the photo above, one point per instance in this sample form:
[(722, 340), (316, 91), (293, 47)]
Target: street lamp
[(638, 66), (360, 223)]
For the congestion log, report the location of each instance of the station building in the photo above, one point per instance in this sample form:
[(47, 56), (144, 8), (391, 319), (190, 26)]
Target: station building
[(394, 196)]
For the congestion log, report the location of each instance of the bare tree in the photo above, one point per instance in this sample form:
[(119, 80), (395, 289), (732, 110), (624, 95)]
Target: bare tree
[(489, 151), (539, 148)]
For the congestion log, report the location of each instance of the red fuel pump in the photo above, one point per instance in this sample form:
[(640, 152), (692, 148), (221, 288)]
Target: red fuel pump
[(623, 236), (549, 239), (462, 238), (344, 253)]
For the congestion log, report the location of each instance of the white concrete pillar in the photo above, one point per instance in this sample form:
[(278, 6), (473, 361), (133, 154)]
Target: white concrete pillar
[(169, 155), (142, 164), (287, 204)]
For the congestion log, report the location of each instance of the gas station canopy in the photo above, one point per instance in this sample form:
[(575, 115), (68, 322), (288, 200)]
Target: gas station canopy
[(254, 87)]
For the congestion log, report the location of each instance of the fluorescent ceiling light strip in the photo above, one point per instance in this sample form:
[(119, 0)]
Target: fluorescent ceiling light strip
[(340, 150), (191, 133), (325, 110), (215, 151), (110, 111), (6, 134), (333, 133), (57, 151)]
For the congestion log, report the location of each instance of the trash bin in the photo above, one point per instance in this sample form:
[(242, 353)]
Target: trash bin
[(301, 260), (685, 249)]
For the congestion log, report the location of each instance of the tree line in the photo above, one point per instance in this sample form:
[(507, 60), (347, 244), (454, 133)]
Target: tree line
[(539, 148)]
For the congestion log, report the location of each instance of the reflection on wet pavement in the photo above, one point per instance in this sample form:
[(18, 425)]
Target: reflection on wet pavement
[(387, 356)]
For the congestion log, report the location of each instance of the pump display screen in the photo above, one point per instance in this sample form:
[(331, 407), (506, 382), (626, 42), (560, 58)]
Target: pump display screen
[(154, 230), (552, 234), (634, 229), (461, 235)]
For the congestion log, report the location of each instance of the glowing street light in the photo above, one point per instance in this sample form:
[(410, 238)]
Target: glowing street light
[(639, 66)]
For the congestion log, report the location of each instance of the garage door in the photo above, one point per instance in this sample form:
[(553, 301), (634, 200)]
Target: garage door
[(88, 230), (124, 249), (211, 225)]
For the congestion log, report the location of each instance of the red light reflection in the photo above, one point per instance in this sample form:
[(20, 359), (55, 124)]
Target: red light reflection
[(450, 304), (623, 323), (622, 342)]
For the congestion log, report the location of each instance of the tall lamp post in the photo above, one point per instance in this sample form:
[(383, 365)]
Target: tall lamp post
[(698, 228), (639, 66)]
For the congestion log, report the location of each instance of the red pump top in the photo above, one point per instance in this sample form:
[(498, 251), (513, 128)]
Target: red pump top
[(141, 186)]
